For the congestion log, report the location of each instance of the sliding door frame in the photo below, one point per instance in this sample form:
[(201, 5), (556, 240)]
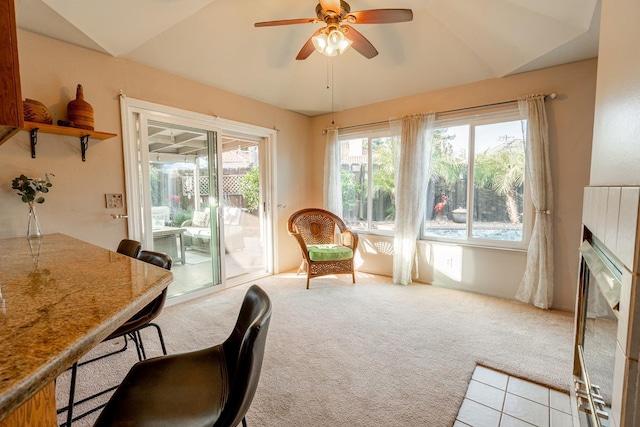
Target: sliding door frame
[(131, 107)]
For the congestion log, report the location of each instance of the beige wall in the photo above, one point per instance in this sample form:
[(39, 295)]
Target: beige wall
[(616, 136), (490, 271), (50, 71)]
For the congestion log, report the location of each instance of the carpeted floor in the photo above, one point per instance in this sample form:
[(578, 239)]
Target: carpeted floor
[(370, 354)]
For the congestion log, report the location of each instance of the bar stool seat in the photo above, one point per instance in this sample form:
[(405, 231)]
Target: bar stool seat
[(173, 390), (209, 387)]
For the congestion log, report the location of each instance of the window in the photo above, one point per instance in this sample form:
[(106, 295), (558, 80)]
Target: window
[(476, 190), (367, 177)]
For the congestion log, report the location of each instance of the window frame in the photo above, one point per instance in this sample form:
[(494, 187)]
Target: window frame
[(380, 132), (527, 217)]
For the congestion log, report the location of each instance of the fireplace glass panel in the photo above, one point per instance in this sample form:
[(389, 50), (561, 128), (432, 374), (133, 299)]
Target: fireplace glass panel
[(599, 342), (599, 298)]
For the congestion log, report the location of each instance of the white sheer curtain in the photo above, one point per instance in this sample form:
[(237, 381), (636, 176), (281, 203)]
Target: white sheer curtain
[(412, 152), (332, 183), (537, 284)]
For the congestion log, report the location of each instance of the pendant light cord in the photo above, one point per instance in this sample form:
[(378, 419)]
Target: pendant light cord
[(330, 84), (332, 92)]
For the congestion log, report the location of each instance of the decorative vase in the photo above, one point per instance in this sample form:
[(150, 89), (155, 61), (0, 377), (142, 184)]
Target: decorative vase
[(35, 245), (33, 225), (80, 112)]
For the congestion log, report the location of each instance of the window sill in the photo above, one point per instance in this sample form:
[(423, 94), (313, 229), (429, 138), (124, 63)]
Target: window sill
[(516, 247), (465, 243)]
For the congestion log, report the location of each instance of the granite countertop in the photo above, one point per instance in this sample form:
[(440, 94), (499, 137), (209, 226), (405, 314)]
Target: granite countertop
[(59, 297)]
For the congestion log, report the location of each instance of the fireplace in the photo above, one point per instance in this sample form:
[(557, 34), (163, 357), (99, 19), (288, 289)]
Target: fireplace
[(606, 387), (596, 332)]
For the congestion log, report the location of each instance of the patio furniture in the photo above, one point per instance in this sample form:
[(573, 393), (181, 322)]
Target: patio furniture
[(327, 245), (170, 240), (210, 387), (198, 230)]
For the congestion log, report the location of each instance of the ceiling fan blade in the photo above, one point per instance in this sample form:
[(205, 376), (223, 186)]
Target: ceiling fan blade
[(308, 47), (285, 22), (333, 5), (360, 42), (379, 16)]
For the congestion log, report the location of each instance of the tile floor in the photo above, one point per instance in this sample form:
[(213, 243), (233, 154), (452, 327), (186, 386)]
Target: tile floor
[(495, 399)]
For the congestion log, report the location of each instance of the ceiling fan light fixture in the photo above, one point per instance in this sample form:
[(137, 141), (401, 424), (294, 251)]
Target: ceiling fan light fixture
[(331, 42), (335, 39), (320, 42)]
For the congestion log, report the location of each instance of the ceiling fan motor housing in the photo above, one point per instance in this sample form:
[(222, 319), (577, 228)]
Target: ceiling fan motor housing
[(324, 15)]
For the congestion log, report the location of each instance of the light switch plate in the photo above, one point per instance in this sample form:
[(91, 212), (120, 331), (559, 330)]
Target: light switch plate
[(114, 201)]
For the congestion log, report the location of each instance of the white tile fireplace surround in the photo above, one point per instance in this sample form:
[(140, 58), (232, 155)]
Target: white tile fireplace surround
[(610, 220)]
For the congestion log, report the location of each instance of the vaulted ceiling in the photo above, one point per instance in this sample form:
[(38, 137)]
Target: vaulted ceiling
[(448, 43)]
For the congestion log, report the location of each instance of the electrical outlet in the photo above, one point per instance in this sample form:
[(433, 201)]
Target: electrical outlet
[(114, 201)]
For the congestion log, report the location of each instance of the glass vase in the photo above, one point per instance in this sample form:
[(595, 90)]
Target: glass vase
[(33, 225)]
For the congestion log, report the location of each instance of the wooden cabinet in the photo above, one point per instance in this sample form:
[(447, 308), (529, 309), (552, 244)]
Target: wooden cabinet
[(11, 112)]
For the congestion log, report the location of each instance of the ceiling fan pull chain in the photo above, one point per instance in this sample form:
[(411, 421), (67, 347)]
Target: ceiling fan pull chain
[(332, 92)]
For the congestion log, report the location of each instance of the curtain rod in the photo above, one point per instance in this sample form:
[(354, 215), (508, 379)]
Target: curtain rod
[(552, 95)]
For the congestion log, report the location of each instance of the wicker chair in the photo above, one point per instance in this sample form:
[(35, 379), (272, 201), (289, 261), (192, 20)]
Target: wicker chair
[(315, 231)]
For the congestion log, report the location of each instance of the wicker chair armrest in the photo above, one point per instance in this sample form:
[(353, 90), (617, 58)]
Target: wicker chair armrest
[(349, 238), (302, 245), (187, 223)]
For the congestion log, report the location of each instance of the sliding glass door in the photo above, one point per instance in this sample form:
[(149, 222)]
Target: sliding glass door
[(198, 189), (180, 201), (243, 204)]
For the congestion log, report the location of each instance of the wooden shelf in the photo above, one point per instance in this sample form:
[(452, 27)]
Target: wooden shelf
[(11, 107), (68, 131), (83, 134)]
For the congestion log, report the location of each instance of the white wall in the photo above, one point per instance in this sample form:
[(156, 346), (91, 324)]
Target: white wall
[(616, 136)]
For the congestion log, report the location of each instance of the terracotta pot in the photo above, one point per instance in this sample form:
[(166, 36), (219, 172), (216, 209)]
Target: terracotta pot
[(80, 112)]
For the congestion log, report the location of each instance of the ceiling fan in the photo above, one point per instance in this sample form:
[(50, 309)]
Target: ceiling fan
[(337, 36)]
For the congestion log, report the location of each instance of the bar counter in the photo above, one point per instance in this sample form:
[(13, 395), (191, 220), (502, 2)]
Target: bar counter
[(59, 297)]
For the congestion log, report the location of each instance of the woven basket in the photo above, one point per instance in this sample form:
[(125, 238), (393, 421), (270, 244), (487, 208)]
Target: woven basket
[(35, 111), (80, 112)]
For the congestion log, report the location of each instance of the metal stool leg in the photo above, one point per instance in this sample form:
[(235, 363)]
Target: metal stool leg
[(72, 390)]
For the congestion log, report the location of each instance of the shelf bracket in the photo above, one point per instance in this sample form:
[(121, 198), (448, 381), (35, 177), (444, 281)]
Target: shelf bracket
[(84, 144), (34, 142)]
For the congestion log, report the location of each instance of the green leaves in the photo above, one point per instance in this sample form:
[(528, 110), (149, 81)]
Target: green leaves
[(250, 188), (29, 189)]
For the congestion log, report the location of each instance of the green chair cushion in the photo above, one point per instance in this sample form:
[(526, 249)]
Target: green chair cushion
[(329, 252)]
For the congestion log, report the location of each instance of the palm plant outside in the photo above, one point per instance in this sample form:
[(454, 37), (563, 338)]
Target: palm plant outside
[(499, 169), (384, 173), (447, 165), (502, 170)]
